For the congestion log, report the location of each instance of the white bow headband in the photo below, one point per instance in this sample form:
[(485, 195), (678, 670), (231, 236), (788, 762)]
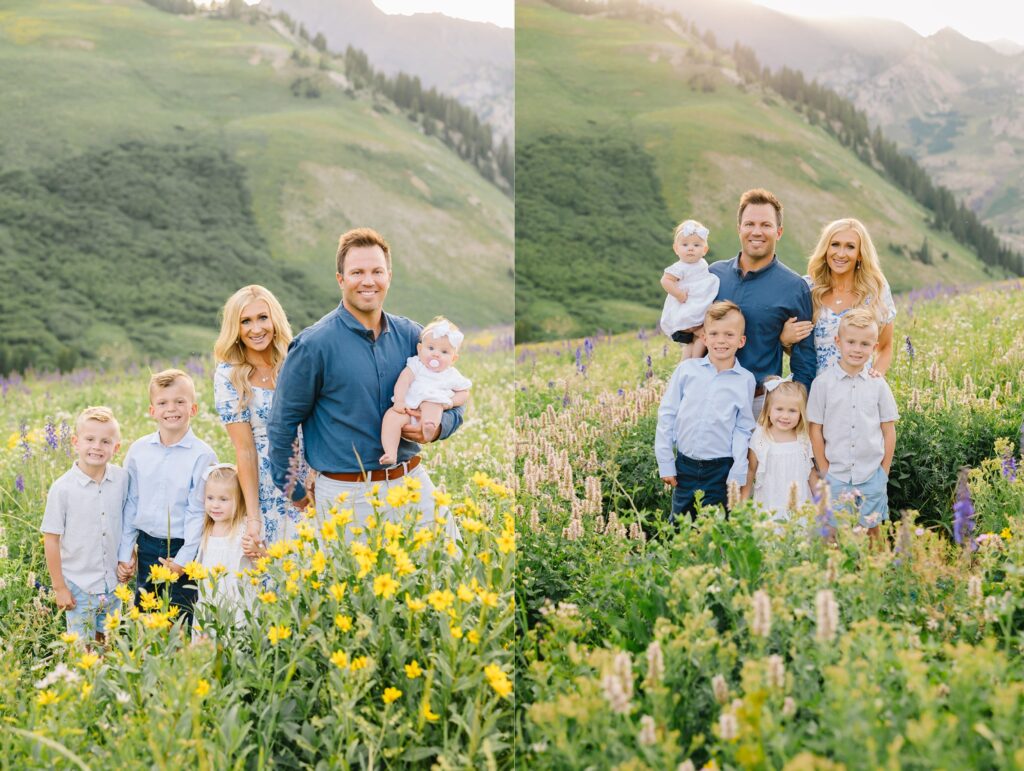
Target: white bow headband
[(690, 227), (444, 329), (210, 469), (771, 385)]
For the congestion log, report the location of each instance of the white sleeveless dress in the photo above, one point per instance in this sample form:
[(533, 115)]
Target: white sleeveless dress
[(232, 592), (779, 464)]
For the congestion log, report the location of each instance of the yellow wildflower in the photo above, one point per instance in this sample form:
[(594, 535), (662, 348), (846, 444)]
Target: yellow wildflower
[(481, 479), (329, 530), (433, 717), (1006, 535), (218, 570), (393, 532), (397, 497), (506, 542), (412, 670), (202, 688), (277, 549), (359, 662), (86, 690), (69, 637), (113, 621), (343, 517), (134, 612), (404, 566), (440, 599), (47, 697), (195, 571), (261, 565), (278, 633), (384, 586), (157, 620), (451, 549), (391, 694), (456, 631), (319, 561), (370, 522), (498, 680), (490, 599), (441, 498), (291, 586), (473, 525), (344, 623), (411, 483), (88, 660), (421, 538), (123, 593), (341, 497), (473, 636), (484, 557), (338, 591), (500, 490), (158, 574), (305, 531), (414, 605), (268, 598), (464, 593), (340, 659), (288, 566)]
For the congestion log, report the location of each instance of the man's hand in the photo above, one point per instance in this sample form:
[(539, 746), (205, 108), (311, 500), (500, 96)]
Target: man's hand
[(794, 331), (125, 570), (415, 433), (670, 481), (64, 599), (171, 565)]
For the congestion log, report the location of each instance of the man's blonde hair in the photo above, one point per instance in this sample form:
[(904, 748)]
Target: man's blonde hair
[(100, 415), (861, 318), (166, 378), (723, 308)]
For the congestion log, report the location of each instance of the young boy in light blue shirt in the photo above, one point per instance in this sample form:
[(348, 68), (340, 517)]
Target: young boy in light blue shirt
[(705, 419), (164, 514)]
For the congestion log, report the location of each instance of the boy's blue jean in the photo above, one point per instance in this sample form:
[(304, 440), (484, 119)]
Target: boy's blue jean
[(692, 475), (151, 549), (90, 612), (870, 497)]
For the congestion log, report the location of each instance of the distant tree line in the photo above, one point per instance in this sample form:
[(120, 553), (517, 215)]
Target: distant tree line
[(849, 125), (442, 116), (174, 6)]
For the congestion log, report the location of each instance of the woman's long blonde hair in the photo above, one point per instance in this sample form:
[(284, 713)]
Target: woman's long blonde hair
[(230, 349), (226, 474), (868, 280)]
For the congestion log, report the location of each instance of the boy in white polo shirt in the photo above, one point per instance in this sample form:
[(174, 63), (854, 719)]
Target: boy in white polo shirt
[(82, 525), (852, 422)]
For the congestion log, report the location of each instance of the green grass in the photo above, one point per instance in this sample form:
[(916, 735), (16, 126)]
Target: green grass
[(599, 79)]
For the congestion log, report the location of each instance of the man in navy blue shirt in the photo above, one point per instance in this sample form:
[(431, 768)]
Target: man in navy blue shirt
[(337, 382), (767, 292)]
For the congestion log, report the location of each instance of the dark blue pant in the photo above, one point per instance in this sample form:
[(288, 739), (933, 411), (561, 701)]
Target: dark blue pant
[(151, 549), (692, 475)]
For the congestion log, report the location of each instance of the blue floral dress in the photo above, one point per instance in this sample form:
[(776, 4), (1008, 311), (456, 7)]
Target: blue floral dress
[(827, 327), (279, 516)]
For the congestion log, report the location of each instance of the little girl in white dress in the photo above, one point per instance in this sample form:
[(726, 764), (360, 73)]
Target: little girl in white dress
[(780, 454), (429, 383), (690, 288), (221, 546)]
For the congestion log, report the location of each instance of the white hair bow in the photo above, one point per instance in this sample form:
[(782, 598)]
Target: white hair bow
[(210, 469), (771, 385), (444, 329), (690, 227)]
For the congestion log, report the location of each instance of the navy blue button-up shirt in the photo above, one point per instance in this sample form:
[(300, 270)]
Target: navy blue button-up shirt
[(337, 382), (768, 297)]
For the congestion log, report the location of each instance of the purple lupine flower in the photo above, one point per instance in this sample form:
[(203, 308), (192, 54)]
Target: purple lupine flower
[(641, 335), (1009, 467), (26, 448), (51, 435), (295, 464), (963, 513), (19, 483), (551, 384), (621, 392), (565, 399), (910, 349), (588, 347)]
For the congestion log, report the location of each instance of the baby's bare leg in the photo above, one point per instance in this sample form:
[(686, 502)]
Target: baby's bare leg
[(430, 416), (391, 435)]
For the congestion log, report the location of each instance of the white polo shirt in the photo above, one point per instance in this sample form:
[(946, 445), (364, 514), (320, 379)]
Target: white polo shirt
[(87, 516), (851, 410)]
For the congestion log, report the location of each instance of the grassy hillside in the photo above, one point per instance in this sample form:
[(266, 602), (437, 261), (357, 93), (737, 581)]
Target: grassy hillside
[(602, 82), (82, 80)]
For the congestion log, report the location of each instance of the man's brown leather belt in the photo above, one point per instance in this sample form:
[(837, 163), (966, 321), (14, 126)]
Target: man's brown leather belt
[(377, 475)]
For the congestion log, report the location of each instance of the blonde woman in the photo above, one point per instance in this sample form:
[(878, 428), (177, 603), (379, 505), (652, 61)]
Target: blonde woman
[(254, 337), (844, 273)]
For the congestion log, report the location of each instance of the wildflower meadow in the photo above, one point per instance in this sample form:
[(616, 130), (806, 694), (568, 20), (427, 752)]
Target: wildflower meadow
[(742, 644), (382, 647)]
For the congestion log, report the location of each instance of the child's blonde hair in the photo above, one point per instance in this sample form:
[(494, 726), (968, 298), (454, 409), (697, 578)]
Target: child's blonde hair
[(861, 318), (784, 388), (719, 310), (437, 321), (225, 473), (166, 378), (100, 415), (689, 227)]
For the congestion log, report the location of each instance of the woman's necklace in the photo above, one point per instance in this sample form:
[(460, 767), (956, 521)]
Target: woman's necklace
[(263, 378)]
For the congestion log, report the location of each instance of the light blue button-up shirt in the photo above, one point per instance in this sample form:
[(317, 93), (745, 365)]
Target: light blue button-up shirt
[(165, 489), (705, 414)]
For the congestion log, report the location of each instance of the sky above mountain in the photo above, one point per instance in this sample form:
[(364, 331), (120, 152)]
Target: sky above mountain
[(500, 12), (982, 20)]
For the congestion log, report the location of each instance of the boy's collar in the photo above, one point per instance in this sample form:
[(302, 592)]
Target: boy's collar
[(706, 361), (185, 441), (84, 479), (863, 373)]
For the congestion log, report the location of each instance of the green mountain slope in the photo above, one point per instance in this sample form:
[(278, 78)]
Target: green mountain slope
[(169, 117), (678, 109)]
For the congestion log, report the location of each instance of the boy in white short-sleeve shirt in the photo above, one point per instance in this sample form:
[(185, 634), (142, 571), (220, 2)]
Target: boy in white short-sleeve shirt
[(852, 422), (82, 525)]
